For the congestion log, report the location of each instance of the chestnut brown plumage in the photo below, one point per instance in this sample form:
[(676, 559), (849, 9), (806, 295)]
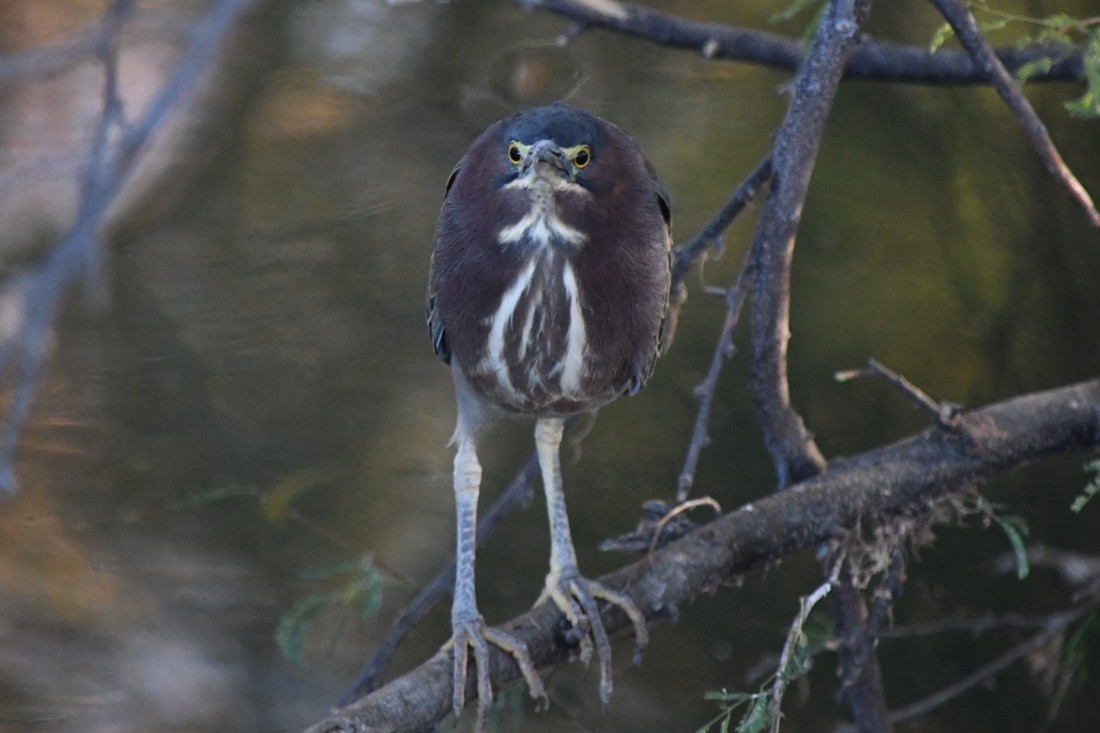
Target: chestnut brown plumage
[(548, 296)]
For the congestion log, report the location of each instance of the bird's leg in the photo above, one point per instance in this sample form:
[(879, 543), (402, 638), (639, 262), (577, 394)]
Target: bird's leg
[(575, 595), (467, 626)]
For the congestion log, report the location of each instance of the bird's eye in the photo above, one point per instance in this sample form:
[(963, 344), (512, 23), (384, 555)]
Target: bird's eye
[(514, 153), (582, 157)]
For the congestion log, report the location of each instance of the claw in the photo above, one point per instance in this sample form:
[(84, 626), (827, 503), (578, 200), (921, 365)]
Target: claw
[(577, 598), (476, 636)]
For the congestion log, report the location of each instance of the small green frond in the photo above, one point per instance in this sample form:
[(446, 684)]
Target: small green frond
[(1013, 525), (1058, 22), (730, 701), (195, 499), (801, 661), (1015, 528), (359, 596), (758, 718), (331, 570), (994, 24), (1092, 488), (942, 35), (294, 624), (372, 600), (1087, 106), (1031, 69)]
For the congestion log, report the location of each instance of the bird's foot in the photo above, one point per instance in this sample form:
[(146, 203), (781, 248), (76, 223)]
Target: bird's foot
[(473, 635), (576, 596)]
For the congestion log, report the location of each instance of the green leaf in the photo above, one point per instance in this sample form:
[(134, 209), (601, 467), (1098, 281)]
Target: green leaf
[(372, 600), (757, 718), (1087, 106), (1031, 69), (293, 626), (1092, 488), (1058, 22), (942, 35), (1015, 528)]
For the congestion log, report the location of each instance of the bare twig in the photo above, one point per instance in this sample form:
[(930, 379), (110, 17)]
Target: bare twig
[(710, 236), (794, 636), (966, 29), (1056, 625), (676, 511), (946, 414), (870, 60), (735, 298)]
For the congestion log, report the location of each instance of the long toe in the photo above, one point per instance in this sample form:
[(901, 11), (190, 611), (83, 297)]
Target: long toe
[(577, 598)]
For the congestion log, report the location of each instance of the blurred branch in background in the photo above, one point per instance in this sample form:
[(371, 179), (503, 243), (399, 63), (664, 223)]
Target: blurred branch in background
[(869, 60), (30, 300)]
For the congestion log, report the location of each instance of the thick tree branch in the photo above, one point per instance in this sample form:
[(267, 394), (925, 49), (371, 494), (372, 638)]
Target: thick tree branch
[(870, 60), (970, 36), (900, 479)]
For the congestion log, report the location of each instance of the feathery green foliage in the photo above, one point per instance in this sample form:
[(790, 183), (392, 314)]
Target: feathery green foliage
[(357, 592), (1092, 488), (1061, 33)]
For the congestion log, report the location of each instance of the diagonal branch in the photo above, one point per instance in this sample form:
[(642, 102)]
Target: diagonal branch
[(734, 296), (710, 236), (1055, 625), (886, 482), (966, 28)]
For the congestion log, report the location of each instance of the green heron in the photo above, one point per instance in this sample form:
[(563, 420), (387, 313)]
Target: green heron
[(548, 297)]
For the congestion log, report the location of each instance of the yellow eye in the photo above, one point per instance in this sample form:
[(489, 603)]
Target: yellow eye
[(514, 153), (582, 157)]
